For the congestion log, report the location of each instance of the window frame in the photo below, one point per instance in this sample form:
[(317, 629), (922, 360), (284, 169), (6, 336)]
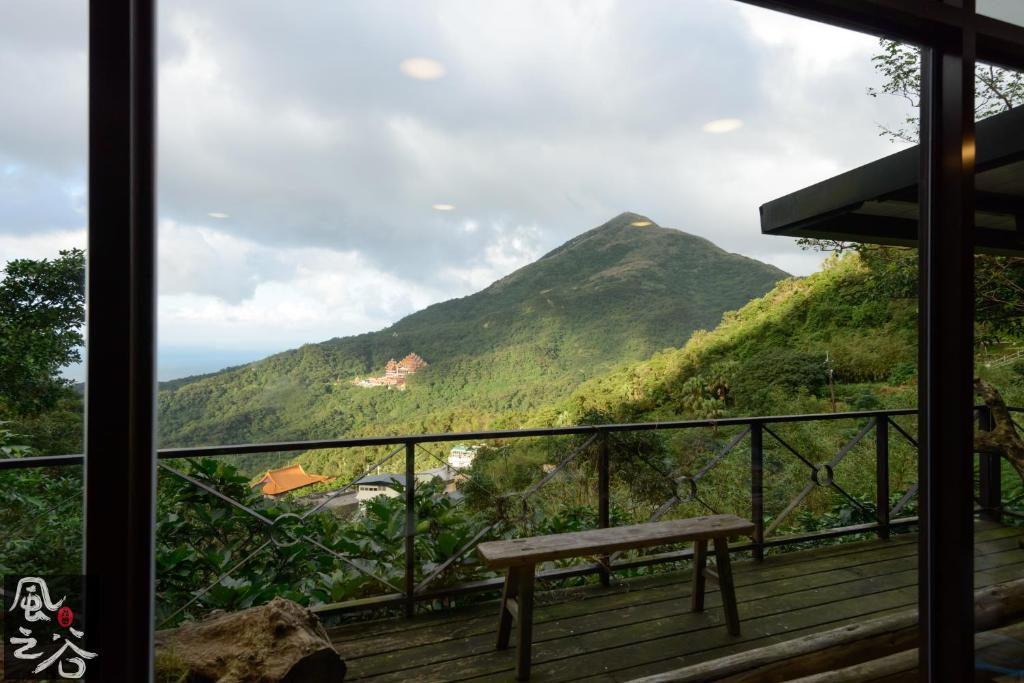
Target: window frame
[(121, 295)]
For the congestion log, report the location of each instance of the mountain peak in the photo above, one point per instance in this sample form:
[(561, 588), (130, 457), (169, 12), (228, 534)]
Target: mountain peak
[(629, 219), (614, 294)]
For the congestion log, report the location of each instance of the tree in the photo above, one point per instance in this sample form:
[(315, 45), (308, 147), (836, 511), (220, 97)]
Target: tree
[(999, 280), (42, 311), (996, 90), (1003, 439)]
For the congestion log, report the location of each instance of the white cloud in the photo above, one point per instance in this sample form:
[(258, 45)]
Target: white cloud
[(228, 291), (512, 249), (39, 245), (325, 159), (797, 263)]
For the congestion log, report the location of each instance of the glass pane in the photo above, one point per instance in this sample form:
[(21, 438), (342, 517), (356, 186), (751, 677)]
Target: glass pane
[(999, 310), (1011, 11), (452, 218), (43, 73)]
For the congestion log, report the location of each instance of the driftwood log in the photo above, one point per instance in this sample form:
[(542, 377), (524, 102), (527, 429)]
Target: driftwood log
[(843, 646), (1003, 439), (280, 642), (1003, 645)]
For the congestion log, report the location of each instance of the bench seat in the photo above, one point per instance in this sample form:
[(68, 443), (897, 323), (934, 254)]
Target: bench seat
[(536, 549), (521, 556)]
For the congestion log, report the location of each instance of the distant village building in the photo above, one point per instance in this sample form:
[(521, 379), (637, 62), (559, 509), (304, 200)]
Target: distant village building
[(462, 456), (395, 373), (373, 485), (280, 481)]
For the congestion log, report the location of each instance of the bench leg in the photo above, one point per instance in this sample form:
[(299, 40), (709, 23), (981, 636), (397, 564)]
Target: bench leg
[(700, 555), (524, 622), (725, 584), (508, 593)]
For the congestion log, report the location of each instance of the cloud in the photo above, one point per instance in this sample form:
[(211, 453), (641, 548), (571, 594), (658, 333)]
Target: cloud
[(39, 245), (297, 123), (236, 293)]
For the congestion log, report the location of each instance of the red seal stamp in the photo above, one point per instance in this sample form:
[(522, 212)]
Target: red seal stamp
[(65, 616)]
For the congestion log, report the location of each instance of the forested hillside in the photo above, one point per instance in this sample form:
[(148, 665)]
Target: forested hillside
[(613, 294), (844, 338)]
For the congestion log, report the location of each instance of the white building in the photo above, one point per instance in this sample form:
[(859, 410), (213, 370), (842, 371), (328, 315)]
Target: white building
[(373, 485), (460, 457)]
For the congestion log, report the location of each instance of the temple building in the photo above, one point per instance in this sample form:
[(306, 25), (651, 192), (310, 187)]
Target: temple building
[(395, 373)]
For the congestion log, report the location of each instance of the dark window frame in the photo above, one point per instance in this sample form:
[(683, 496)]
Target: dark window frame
[(121, 382)]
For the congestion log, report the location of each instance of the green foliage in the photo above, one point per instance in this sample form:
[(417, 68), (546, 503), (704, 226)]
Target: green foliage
[(703, 397), (209, 552), (42, 310), (496, 357), (40, 513), (767, 357), (788, 370), (764, 357), (903, 372), (842, 512), (996, 90)]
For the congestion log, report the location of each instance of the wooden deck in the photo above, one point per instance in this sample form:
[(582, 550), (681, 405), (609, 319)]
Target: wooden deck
[(643, 626)]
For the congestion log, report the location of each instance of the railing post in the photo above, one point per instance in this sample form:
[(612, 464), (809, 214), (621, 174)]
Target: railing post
[(882, 474), (410, 529), (603, 500), (757, 487), (989, 480)]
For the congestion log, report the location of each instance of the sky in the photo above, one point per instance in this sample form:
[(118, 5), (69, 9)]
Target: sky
[(325, 168)]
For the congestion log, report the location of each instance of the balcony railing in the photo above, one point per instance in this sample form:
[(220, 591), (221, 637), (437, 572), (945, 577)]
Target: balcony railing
[(758, 446)]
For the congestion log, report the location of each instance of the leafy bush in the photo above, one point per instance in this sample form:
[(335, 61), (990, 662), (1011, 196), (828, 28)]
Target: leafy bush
[(785, 369), (40, 514), (213, 555), (903, 373)]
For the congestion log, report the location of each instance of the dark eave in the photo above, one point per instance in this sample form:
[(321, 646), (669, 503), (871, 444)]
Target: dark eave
[(877, 202)]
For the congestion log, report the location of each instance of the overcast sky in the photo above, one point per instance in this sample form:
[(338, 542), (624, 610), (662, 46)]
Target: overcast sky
[(302, 154)]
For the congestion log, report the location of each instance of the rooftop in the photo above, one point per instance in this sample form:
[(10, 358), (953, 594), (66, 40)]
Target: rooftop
[(386, 478), (285, 479), (878, 202)]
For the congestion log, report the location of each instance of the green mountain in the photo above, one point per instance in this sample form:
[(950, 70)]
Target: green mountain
[(613, 294), (773, 356)]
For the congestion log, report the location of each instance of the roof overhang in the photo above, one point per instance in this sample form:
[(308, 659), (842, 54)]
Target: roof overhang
[(877, 203)]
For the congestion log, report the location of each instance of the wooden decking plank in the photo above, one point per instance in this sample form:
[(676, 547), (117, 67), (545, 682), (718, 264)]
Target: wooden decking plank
[(483, 621), (674, 592), (480, 640), (675, 662), (806, 620), (890, 601), (370, 629), (661, 666), (458, 654), (632, 598), (643, 602), (859, 603), (715, 643)]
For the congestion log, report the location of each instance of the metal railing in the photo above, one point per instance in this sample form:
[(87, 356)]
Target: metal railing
[(284, 530)]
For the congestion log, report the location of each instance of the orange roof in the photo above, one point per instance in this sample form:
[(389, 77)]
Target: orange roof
[(285, 479), (412, 361)]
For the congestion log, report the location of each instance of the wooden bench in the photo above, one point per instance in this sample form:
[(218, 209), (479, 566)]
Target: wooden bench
[(520, 557)]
